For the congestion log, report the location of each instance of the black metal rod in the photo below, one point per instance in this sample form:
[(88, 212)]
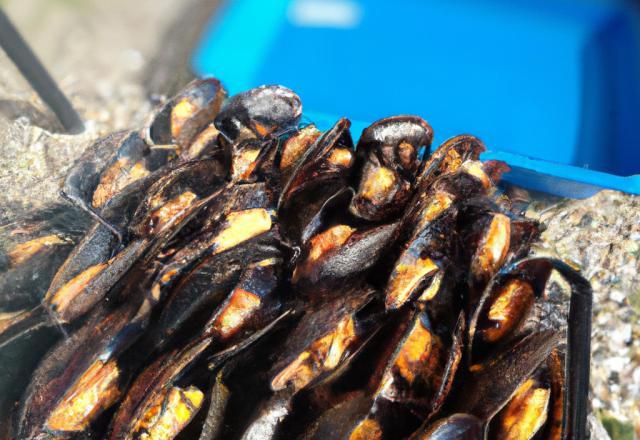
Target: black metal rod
[(33, 70), (578, 362)]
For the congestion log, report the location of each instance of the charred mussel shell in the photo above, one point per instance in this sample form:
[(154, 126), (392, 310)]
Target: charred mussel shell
[(448, 157), (340, 259), (84, 177), (387, 160), (184, 116), (193, 180), (318, 181), (261, 112), (455, 427), (535, 272)]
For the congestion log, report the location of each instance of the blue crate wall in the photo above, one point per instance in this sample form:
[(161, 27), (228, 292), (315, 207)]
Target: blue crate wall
[(556, 80)]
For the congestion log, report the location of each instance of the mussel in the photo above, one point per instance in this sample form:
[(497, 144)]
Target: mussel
[(250, 276)]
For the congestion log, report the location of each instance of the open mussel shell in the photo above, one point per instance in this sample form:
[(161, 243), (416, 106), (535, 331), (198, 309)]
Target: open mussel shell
[(493, 237), (506, 302), (321, 176), (79, 287), (294, 147), (207, 284), (79, 295), (32, 266), (323, 343), (145, 409), (324, 338), (340, 256), (428, 232), (469, 180), (479, 393), (534, 273), (175, 191), (82, 365), (417, 378), (85, 177), (448, 157), (251, 305), (182, 118), (427, 253), (230, 228), (321, 158), (232, 198), (135, 161), (109, 166), (531, 409), (487, 239), (82, 293), (386, 162), (99, 245), (387, 389), (245, 383)]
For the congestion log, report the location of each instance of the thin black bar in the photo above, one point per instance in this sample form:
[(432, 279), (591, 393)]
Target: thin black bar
[(33, 70)]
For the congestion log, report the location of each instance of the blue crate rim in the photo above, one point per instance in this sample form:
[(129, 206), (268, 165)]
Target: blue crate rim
[(556, 178)]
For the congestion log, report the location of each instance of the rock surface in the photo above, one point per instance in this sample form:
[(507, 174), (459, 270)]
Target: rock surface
[(601, 236), (100, 54)]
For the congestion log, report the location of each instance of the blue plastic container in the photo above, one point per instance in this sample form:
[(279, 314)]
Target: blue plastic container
[(551, 86)]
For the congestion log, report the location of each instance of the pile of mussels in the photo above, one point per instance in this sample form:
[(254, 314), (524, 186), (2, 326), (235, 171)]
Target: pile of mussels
[(250, 277)]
